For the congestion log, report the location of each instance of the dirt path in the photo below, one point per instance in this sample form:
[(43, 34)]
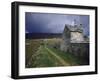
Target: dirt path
[(58, 57)]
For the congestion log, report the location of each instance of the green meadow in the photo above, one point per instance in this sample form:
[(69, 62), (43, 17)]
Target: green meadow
[(47, 53)]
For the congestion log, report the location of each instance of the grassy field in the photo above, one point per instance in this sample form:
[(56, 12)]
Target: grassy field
[(43, 53), (31, 48)]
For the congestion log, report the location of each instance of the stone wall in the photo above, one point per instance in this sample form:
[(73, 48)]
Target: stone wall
[(81, 50)]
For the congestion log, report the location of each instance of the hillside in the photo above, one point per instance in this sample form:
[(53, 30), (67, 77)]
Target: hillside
[(42, 35)]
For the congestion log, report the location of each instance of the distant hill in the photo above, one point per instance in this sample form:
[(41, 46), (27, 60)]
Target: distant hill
[(42, 35)]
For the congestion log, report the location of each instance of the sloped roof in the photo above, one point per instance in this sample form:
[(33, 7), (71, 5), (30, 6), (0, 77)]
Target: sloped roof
[(73, 28)]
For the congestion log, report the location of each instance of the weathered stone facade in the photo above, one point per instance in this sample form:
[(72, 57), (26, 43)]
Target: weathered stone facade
[(74, 41)]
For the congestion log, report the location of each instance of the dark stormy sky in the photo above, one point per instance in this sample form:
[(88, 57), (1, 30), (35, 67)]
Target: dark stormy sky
[(53, 23)]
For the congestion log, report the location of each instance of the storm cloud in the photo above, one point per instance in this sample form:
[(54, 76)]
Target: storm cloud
[(53, 23)]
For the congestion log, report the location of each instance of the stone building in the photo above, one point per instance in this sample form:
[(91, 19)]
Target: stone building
[(74, 41)]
